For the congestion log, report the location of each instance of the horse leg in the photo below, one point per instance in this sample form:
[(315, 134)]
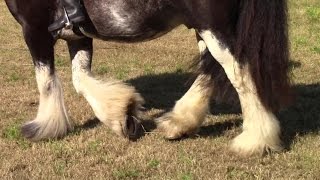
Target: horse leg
[(114, 103), (52, 120), (261, 128), (189, 112)]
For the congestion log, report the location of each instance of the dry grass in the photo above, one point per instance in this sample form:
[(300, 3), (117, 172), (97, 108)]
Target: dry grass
[(158, 69)]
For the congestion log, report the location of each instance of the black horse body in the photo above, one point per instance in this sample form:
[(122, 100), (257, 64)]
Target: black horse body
[(145, 19), (133, 19)]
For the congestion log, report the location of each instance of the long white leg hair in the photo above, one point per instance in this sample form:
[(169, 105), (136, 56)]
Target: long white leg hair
[(189, 112), (113, 102), (52, 119), (261, 128)]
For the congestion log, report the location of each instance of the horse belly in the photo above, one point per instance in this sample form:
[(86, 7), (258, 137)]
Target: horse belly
[(130, 19)]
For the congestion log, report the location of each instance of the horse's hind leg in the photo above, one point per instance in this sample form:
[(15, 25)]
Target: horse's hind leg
[(52, 120), (189, 112), (261, 128), (114, 103)]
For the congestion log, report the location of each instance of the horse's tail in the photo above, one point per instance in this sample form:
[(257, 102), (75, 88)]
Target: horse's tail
[(262, 43)]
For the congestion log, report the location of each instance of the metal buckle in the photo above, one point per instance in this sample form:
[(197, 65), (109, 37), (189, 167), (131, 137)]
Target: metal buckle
[(68, 24)]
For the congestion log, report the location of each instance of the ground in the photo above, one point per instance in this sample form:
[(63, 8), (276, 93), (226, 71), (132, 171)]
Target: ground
[(159, 70)]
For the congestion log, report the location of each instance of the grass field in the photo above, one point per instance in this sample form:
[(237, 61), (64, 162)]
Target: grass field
[(159, 70)]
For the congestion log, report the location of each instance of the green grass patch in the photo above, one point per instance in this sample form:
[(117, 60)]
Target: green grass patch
[(148, 70), (316, 50), (236, 173), (301, 41), (57, 147), (186, 176), (94, 146), (314, 14), (12, 132), (126, 174), (122, 73), (59, 61), (102, 69), (154, 163), (184, 157), (13, 77), (59, 167)]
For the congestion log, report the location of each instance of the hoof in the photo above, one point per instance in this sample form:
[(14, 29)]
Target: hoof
[(122, 116), (250, 144), (174, 127), (30, 130), (114, 103), (132, 128), (39, 130)]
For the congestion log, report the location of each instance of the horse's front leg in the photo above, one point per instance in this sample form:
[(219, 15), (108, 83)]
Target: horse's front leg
[(114, 103), (52, 120), (189, 112)]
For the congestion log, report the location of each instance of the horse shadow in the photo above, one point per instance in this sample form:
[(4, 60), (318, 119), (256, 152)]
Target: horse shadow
[(163, 90), (160, 91), (303, 116)]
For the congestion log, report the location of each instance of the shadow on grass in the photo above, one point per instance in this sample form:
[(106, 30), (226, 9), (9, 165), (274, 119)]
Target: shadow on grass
[(89, 124), (161, 92), (219, 128), (303, 117)]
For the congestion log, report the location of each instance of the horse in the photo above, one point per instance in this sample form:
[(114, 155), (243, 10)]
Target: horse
[(242, 42)]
